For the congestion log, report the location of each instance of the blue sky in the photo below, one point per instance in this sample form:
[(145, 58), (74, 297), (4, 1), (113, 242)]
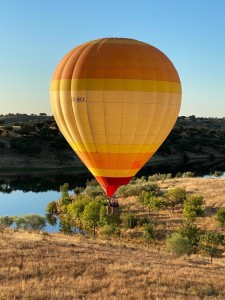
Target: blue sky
[(36, 34)]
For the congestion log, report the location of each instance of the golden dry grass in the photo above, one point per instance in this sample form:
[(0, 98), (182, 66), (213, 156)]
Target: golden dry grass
[(55, 266)]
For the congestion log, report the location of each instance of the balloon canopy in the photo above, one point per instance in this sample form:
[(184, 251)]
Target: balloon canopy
[(115, 100)]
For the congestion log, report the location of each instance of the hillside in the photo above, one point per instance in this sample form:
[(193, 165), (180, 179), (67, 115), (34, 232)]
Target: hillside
[(57, 266), (35, 143)]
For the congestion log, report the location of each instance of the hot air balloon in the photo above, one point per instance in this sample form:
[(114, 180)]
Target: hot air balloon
[(115, 100)]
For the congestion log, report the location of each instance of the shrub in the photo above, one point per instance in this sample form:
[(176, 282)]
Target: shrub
[(220, 217), (136, 187), (143, 220), (178, 244), (148, 234), (110, 230), (218, 173), (94, 191), (188, 174), (6, 222), (129, 220)]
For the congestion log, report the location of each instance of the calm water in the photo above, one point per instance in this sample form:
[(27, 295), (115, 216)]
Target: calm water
[(20, 203)]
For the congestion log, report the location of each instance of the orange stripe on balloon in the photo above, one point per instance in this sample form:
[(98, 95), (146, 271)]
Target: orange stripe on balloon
[(119, 161), (98, 59)]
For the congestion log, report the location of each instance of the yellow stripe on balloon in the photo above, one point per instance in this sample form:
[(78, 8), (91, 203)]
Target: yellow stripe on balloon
[(116, 85), (107, 148), (113, 173)]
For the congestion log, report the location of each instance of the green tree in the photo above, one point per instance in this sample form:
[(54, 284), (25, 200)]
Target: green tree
[(175, 196), (178, 244), (148, 234), (192, 232), (211, 244), (146, 198), (52, 213), (220, 217), (156, 203), (193, 207), (25, 145), (35, 222), (91, 215), (30, 222), (65, 198), (65, 227), (76, 209), (21, 222)]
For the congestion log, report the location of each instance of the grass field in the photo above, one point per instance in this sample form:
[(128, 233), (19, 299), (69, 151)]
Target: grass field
[(56, 266)]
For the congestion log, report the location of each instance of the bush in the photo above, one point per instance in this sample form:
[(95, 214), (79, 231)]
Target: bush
[(129, 220), (220, 217), (178, 244), (148, 234), (25, 145), (136, 187), (142, 221), (94, 191), (110, 230), (6, 222)]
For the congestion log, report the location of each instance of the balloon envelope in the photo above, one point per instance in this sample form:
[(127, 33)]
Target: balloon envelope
[(115, 100)]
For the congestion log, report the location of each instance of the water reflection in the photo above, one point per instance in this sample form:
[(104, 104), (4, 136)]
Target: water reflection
[(19, 203), (40, 182)]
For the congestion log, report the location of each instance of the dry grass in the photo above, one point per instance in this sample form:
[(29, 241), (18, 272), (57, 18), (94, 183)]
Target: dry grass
[(55, 266)]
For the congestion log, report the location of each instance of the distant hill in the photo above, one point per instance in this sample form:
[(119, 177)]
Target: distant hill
[(13, 119), (34, 142)]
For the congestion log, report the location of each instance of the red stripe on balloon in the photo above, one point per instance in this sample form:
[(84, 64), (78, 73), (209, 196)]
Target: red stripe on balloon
[(111, 184)]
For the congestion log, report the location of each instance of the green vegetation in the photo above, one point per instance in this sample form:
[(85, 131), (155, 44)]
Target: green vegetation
[(31, 222), (193, 208), (220, 217), (211, 244), (178, 244), (175, 197), (87, 211), (148, 234)]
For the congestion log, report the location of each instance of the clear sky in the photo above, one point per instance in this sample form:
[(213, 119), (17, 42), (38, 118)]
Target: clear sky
[(36, 34)]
